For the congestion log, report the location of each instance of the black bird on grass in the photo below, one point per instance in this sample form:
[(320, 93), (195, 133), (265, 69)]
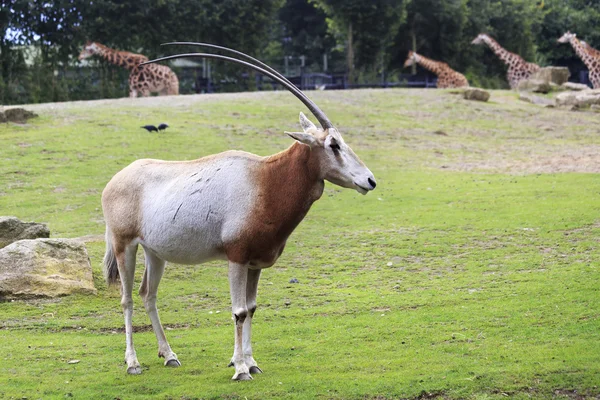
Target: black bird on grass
[(162, 127), (150, 128)]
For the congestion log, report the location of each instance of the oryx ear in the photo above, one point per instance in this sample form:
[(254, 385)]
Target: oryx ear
[(305, 123), (305, 138)]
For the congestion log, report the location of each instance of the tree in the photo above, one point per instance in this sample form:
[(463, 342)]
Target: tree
[(368, 28)]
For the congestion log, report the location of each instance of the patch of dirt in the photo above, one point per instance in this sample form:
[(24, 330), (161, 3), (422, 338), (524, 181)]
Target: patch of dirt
[(91, 238)]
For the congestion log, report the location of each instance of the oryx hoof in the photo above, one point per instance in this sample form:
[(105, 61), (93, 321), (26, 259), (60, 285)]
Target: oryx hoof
[(135, 370), (242, 377), (231, 364), (173, 363), (255, 370)]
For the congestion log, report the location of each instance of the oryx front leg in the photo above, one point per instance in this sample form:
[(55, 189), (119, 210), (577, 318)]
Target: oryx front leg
[(126, 265), (251, 290), (148, 290), (238, 276)]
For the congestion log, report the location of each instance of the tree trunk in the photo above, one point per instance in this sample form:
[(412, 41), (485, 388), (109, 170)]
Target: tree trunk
[(414, 49), (350, 55)]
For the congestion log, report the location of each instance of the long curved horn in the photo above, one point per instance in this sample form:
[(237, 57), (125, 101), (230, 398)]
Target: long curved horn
[(314, 109), (239, 53)]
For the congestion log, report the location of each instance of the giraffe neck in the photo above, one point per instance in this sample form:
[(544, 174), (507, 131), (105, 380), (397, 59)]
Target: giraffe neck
[(506, 56), (581, 51), (121, 58), (427, 63)]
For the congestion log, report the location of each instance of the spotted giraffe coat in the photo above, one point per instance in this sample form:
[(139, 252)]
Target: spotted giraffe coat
[(518, 68), (143, 79), (589, 56), (447, 77)]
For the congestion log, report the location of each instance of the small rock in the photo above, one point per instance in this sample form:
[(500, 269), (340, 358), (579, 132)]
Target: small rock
[(534, 85), (476, 94), (18, 115), (287, 303), (390, 264), (294, 280), (439, 132), (73, 362)]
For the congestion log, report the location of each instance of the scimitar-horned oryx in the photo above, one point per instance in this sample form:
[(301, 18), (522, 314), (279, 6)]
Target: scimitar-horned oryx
[(234, 206)]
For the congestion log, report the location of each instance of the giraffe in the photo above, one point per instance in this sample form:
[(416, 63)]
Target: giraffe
[(590, 49), (589, 56), (142, 79), (447, 77), (518, 69)]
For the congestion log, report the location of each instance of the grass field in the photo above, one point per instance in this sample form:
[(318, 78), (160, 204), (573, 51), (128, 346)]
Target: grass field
[(472, 271)]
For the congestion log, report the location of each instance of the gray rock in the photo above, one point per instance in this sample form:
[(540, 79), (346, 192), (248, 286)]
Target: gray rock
[(476, 94), (575, 86), (534, 85), (566, 99), (45, 268), (580, 99), (542, 101), (558, 75), (12, 229)]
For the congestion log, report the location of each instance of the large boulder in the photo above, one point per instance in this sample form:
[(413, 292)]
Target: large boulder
[(545, 80), (12, 229), (45, 268), (477, 94), (557, 75)]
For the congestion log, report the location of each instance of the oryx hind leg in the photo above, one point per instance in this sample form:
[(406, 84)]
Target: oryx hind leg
[(148, 290), (126, 265)]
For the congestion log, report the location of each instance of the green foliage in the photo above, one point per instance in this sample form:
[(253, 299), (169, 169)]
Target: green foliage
[(367, 40), (469, 273)]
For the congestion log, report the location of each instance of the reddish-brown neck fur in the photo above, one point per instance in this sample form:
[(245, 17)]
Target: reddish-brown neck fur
[(288, 183)]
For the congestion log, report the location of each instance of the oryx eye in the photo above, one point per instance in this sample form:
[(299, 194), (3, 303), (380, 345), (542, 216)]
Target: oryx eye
[(335, 146)]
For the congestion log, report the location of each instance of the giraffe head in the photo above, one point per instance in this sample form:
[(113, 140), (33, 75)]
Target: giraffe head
[(411, 59), (89, 50), (567, 37), (480, 39)]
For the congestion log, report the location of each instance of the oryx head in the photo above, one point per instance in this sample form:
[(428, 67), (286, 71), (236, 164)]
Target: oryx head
[(338, 163), (411, 59), (567, 37), (89, 50)]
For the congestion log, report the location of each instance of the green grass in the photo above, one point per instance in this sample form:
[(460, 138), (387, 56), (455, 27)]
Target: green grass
[(470, 272)]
